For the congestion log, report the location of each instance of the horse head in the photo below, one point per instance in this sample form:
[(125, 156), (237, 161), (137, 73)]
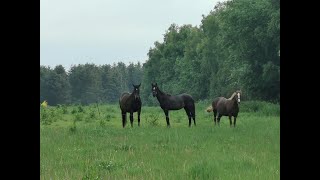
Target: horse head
[(238, 93), (154, 89), (136, 91)]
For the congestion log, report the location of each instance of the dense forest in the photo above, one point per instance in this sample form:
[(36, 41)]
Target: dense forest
[(236, 46)]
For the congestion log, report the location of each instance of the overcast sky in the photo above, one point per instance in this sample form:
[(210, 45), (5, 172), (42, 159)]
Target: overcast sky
[(107, 31)]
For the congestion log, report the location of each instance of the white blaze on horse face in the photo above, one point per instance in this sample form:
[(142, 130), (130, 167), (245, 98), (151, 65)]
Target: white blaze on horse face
[(238, 97), (154, 88)]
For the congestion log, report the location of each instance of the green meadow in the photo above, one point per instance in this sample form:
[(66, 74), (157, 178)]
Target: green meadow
[(88, 142)]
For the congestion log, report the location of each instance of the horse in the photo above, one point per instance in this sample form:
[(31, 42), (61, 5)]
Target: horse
[(130, 103), (177, 102), (226, 107)]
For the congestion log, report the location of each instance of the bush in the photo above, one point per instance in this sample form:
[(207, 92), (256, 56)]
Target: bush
[(79, 117), (64, 109), (261, 107), (45, 118), (92, 114), (73, 127), (80, 109), (49, 115), (74, 111)]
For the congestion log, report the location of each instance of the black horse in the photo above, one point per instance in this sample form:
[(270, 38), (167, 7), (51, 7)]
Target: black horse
[(130, 103), (169, 102), (226, 107)]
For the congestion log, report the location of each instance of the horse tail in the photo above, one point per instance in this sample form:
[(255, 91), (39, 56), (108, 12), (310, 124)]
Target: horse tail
[(189, 101), (209, 109), (214, 103)]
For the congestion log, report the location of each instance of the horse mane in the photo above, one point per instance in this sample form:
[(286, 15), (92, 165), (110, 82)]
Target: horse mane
[(232, 96)]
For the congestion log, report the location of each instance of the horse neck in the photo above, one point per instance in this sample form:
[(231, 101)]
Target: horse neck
[(160, 96), (131, 97), (232, 96), (233, 99)]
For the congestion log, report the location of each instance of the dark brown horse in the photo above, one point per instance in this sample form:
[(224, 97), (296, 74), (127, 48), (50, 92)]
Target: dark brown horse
[(226, 107), (169, 102), (130, 103)]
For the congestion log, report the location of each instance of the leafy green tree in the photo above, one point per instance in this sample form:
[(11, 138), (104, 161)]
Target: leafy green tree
[(236, 46)]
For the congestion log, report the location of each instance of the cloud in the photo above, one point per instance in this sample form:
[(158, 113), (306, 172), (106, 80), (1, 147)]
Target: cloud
[(110, 29)]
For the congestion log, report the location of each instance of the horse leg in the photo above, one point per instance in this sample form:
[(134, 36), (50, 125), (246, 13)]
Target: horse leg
[(193, 114), (215, 117), (194, 119), (124, 119), (166, 112), (234, 121), (131, 119), (189, 116), (139, 111), (230, 120), (219, 117)]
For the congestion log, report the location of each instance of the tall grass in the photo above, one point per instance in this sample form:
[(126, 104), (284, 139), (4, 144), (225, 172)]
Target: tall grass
[(153, 151)]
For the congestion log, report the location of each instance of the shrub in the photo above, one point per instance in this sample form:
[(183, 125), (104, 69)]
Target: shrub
[(80, 109), (73, 127), (92, 114), (261, 107), (45, 118), (79, 117)]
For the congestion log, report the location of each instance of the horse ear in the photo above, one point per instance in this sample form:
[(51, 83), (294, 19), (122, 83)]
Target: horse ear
[(156, 84), (139, 85)]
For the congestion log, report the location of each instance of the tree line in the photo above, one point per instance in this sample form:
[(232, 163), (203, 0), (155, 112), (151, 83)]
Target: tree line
[(87, 83), (236, 46)]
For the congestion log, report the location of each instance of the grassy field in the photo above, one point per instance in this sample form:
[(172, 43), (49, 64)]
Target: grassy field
[(88, 142)]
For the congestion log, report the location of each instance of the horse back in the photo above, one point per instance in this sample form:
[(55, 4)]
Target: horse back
[(176, 102), (226, 107), (187, 100), (216, 101), (219, 105)]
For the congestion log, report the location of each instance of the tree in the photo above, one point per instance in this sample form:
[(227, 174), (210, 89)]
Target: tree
[(54, 85), (44, 72), (86, 83)]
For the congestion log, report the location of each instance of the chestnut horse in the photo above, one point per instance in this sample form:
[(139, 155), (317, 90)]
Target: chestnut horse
[(226, 107)]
